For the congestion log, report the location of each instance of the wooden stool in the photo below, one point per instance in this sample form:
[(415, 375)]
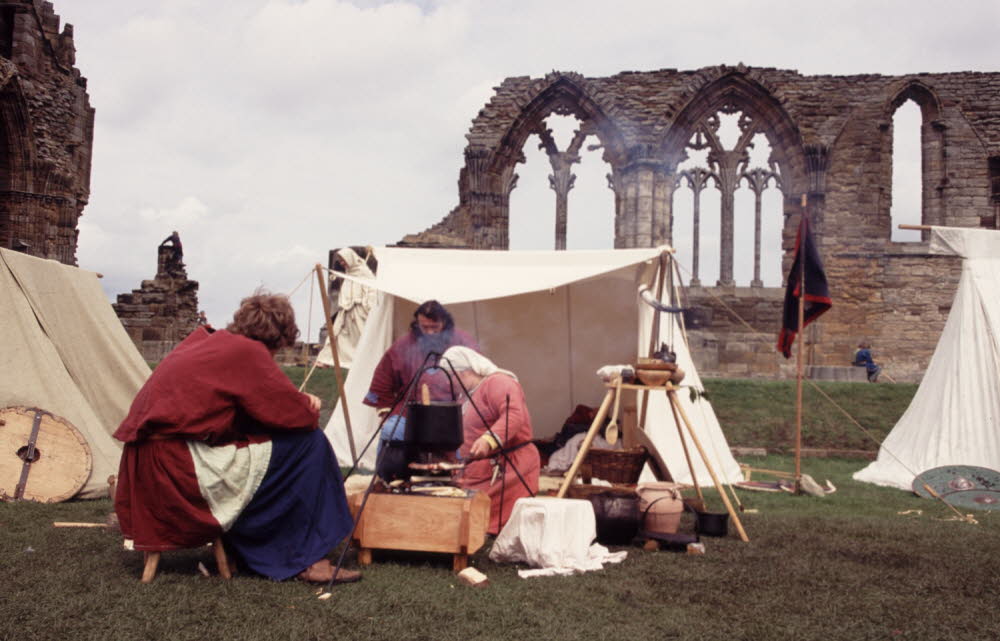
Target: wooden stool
[(152, 560)]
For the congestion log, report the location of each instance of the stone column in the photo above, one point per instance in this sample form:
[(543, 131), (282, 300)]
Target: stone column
[(644, 213), (697, 179), (727, 162), (486, 195), (617, 185), (932, 172), (561, 181), (663, 194), (630, 207), (758, 180)]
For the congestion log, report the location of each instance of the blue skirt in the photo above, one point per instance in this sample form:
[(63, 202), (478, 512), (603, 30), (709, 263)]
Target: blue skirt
[(299, 513)]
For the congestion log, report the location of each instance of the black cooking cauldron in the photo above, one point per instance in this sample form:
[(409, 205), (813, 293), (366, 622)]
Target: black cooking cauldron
[(435, 427), (433, 430)]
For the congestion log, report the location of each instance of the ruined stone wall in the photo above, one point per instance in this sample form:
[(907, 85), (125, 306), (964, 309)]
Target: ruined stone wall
[(163, 311), (46, 133), (831, 140)]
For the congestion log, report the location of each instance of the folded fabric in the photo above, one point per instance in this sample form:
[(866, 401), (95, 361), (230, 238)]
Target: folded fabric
[(555, 536), (563, 458)]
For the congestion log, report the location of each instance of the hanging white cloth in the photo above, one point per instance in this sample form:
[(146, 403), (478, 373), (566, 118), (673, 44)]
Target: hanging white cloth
[(356, 302)]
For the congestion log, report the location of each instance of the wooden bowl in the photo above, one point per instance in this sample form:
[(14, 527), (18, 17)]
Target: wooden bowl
[(653, 377), (654, 364)]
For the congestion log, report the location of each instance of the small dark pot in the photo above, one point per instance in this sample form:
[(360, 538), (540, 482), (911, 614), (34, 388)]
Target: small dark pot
[(618, 517), (711, 524), (393, 461)]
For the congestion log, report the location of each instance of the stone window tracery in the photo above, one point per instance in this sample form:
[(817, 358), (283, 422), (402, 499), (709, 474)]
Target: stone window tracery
[(561, 135), (724, 152)]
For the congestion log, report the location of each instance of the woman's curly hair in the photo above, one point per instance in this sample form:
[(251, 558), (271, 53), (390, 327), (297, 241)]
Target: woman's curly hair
[(268, 318)]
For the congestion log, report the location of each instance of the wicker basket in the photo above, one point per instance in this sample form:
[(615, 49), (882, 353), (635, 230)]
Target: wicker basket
[(616, 466)]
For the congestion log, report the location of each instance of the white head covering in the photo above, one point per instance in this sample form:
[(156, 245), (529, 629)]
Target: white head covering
[(352, 293), (465, 358)]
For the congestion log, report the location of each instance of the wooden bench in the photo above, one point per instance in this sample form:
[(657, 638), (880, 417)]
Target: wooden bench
[(849, 373)]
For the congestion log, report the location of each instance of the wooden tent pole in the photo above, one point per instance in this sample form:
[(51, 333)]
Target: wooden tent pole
[(687, 454), (337, 371), (672, 395), (916, 227), (654, 336), (799, 353)]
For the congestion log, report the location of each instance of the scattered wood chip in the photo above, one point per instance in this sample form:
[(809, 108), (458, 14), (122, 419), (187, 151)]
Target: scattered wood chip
[(473, 578)]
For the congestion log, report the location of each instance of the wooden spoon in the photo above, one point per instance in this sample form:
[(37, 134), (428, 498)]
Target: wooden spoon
[(611, 433)]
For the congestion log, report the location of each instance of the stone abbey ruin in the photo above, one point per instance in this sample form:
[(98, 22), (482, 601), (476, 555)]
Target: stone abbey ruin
[(46, 140), (831, 139), (46, 133)]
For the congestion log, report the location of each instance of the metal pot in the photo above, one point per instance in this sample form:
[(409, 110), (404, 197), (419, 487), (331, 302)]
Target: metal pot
[(436, 426)]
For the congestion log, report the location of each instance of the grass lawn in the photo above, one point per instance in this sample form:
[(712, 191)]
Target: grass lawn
[(849, 566)]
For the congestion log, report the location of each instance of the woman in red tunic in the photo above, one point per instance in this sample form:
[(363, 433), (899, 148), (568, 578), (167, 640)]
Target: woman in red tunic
[(219, 441), (503, 461)]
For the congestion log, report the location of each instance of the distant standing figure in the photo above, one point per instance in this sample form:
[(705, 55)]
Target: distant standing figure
[(355, 301), (174, 240), (863, 358)]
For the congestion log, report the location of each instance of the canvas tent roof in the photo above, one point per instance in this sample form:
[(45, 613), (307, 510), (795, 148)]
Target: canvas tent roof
[(954, 418), (552, 317), (65, 351)]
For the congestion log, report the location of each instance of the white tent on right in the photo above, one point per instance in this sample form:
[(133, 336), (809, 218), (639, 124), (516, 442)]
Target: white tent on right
[(954, 418)]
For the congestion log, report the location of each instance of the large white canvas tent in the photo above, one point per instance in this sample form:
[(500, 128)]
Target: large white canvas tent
[(553, 318), (953, 418), (63, 350)]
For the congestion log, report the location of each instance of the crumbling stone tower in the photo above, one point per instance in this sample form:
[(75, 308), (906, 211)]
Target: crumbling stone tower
[(46, 133), (164, 310), (831, 140)]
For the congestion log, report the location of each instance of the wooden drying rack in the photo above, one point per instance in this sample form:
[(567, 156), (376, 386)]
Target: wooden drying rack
[(680, 419)]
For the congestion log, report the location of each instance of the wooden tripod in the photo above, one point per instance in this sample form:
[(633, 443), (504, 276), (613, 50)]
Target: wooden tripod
[(676, 411)]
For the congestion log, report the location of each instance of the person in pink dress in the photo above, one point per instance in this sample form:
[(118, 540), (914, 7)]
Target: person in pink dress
[(497, 443)]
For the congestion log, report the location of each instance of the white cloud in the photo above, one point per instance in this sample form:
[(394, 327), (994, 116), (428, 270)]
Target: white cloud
[(186, 213), (269, 131)]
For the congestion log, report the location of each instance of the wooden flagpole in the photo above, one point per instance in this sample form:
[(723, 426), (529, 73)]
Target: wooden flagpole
[(337, 372), (799, 355)]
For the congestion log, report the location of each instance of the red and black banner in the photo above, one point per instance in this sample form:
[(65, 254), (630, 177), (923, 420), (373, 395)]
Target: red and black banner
[(817, 292)]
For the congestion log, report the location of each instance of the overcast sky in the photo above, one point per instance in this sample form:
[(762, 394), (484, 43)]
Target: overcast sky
[(269, 131)]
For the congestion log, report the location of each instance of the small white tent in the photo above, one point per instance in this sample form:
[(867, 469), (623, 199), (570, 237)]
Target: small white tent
[(954, 418), (552, 317), (64, 351)]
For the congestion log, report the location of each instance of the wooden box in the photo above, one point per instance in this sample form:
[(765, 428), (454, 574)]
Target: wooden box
[(445, 525)]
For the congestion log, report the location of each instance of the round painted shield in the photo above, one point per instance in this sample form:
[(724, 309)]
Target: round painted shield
[(42, 456), (968, 486)]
